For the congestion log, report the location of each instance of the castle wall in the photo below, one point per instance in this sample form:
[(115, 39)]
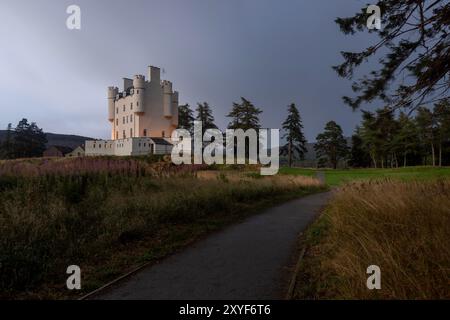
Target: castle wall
[(142, 110), (99, 148), (148, 109), (125, 124), (153, 120), (125, 147)]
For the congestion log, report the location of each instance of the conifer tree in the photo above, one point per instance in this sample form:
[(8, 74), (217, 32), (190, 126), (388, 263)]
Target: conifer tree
[(331, 144), (413, 43), (205, 116), (244, 116), (186, 118), (295, 140)]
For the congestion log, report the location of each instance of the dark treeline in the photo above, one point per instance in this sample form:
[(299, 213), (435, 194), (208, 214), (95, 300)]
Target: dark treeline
[(26, 140), (245, 115), (385, 139)]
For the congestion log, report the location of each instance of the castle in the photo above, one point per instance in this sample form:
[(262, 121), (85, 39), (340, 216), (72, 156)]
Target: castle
[(142, 116)]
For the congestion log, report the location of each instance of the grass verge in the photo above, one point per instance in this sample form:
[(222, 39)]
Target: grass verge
[(401, 226)]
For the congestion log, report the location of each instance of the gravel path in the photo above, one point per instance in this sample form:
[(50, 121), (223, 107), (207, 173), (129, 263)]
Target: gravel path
[(249, 260)]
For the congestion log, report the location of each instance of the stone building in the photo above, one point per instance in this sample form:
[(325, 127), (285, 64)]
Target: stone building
[(142, 117), (77, 152), (57, 151)]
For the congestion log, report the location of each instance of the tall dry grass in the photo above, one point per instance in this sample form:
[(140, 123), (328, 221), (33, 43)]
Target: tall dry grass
[(49, 219), (403, 227)]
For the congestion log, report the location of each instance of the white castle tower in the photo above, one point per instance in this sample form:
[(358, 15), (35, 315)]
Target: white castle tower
[(142, 116)]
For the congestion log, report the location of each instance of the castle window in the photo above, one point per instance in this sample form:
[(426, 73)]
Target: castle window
[(127, 119), (144, 144), (117, 110), (131, 106), (123, 120), (131, 118), (137, 103), (137, 91), (123, 108), (117, 135), (163, 134), (145, 132), (99, 145), (131, 132), (124, 134), (117, 122)]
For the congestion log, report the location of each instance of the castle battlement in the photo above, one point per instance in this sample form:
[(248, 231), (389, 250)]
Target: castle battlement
[(143, 108)]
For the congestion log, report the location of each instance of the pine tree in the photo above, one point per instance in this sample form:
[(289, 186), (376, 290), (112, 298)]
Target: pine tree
[(442, 116), (406, 138), (414, 39), (426, 124), (29, 140), (186, 118), (331, 144), (372, 139), (205, 116), (359, 156), (244, 116), (387, 128), (296, 142)]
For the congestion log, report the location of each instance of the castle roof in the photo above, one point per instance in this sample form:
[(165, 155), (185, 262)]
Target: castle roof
[(63, 149), (161, 141)]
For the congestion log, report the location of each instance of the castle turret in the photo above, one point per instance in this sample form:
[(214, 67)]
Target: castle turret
[(167, 98), (139, 93), (175, 109), (112, 92)]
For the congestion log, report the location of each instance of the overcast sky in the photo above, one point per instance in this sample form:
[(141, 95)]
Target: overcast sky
[(271, 52)]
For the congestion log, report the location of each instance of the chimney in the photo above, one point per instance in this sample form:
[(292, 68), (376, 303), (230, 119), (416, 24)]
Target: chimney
[(154, 74), (127, 83)]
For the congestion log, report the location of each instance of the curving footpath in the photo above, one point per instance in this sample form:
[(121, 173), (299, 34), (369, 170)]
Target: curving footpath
[(250, 260)]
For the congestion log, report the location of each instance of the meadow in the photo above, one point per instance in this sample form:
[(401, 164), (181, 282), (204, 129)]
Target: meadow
[(397, 219), (109, 215), (338, 177)]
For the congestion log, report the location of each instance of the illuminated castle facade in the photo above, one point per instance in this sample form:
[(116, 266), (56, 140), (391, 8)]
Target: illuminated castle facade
[(142, 116)]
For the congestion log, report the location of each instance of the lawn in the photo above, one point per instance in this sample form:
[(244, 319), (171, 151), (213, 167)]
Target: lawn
[(338, 177)]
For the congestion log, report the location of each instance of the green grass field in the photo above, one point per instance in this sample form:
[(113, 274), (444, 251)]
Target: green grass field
[(337, 177)]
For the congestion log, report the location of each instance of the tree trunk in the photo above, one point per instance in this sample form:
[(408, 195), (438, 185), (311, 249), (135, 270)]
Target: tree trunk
[(440, 154), (290, 153), (404, 160), (432, 155)]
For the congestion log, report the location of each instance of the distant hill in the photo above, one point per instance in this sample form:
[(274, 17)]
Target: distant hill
[(56, 139)]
